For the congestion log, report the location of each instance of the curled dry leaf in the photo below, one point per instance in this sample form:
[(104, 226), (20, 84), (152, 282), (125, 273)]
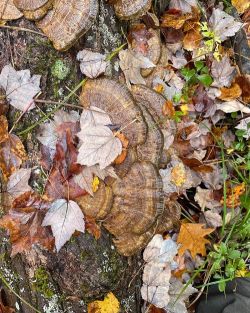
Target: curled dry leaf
[(20, 87), (4, 135), (98, 146), (184, 5), (110, 304), (8, 11), (92, 64), (131, 64), (175, 19), (24, 224), (232, 106), (231, 93), (223, 24), (191, 237), (64, 217)]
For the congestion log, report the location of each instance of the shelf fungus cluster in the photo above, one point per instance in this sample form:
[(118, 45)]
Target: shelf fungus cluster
[(127, 9), (132, 208)]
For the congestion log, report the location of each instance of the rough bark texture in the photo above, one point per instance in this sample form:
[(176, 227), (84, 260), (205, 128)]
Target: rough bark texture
[(85, 269)]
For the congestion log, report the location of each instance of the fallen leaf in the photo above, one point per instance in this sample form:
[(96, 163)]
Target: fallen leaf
[(175, 19), (231, 93), (92, 227), (223, 24), (178, 296), (85, 178), (110, 304), (191, 237), (154, 309), (178, 175), (205, 198), (245, 125), (233, 195), (92, 64), (222, 72), (94, 116), (24, 224), (98, 146), (121, 158), (20, 87), (232, 106), (241, 5), (184, 5), (244, 83), (12, 155), (246, 19), (64, 217), (192, 39), (213, 219), (18, 183), (138, 38), (131, 64), (4, 308), (4, 135), (168, 109)]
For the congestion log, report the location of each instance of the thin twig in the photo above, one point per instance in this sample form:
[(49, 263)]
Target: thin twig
[(22, 29), (59, 103)]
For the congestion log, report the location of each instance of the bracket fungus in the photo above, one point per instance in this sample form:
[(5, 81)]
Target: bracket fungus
[(8, 11), (127, 9), (116, 99), (68, 21), (34, 10)]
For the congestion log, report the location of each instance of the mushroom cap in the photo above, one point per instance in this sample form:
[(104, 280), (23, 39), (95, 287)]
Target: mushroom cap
[(29, 5), (8, 11), (68, 21), (99, 205), (154, 51), (151, 149), (116, 99), (151, 99), (138, 200), (127, 9)]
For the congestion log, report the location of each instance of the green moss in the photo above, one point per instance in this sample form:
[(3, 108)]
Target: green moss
[(42, 283), (60, 69)]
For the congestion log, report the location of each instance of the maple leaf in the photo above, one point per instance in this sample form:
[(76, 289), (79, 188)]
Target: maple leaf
[(131, 64), (23, 222), (85, 178), (110, 304), (191, 237), (20, 87), (64, 217), (18, 183), (92, 64), (98, 146), (184, 5), (94, 117), (241, 5), (223, 24), (222, 72)]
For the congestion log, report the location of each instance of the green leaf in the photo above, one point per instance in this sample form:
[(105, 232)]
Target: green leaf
[(199, 65), (234, 254), (205, 79), (187, 73), (177, 97), (222, 286)]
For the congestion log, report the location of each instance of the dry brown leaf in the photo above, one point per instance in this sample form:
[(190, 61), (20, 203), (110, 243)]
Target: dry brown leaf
[(3, 129), (233, 195), (121, 158), (241, 5), (24, 224), (231, 93), (110, 304), (244, 83), (192, 39), (175, 19), (191, 237), (168, 109), (153, 309), (92, 227)]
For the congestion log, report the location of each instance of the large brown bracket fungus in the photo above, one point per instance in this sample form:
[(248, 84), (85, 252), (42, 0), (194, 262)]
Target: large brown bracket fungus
[(127, 9), (33, 10), (68, 21), (132, 209)]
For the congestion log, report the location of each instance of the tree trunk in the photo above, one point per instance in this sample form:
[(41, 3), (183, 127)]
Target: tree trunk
[(85, 269)]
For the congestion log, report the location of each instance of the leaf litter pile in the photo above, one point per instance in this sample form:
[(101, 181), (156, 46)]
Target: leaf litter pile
[(159, 158)]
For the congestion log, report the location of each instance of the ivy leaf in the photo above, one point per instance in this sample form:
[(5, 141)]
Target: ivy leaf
[(20, 87), (223, 24), (64, 217), (191, 237)]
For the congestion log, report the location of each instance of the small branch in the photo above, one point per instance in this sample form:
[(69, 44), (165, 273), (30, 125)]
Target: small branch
[(59, 103), (22, 29)]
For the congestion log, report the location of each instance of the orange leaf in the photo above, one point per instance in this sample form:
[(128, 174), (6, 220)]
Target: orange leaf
[(241, 5), (191, 237), (154, 309), (244, 83), (192, 39), (120, 159), (233, 195), (168, 109), (231, 93), (3, 129), (92, 227), (173, 18)]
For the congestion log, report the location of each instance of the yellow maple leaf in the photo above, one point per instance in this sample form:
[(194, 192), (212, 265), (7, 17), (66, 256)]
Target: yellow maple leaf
[(241, 5), (191, 237), (110, 304)]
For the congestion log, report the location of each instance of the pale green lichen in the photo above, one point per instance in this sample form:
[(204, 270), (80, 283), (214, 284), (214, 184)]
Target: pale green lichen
[(60, 70), (42, 283)]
